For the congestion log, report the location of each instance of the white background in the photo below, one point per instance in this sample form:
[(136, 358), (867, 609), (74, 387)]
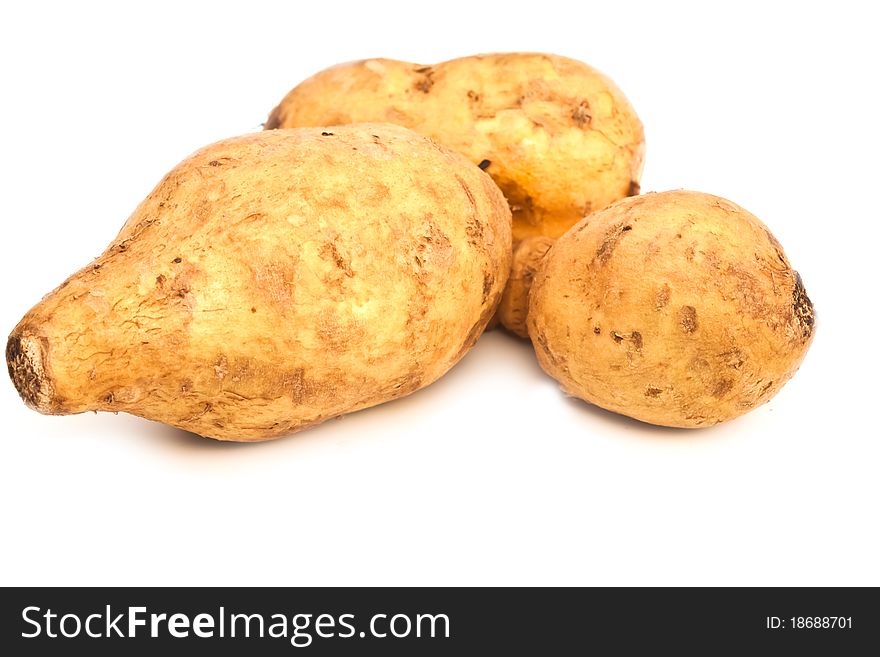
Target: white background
[(490, 476)]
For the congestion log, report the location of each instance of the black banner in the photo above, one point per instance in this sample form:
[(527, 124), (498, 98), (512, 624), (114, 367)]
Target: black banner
[(416, 621)]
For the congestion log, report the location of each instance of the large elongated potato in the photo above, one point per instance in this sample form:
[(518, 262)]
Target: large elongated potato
[(275, 280), (558, 137), (678, 309)]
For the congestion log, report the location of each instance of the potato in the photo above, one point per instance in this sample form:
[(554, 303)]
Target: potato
[(514, 307), (558, 137), (678, 309), (273, 281)]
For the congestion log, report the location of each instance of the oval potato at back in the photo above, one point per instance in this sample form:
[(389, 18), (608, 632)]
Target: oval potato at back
[(558, 137)]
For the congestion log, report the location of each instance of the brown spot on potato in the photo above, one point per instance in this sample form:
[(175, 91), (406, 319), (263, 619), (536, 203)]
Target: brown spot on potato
[(474, 227), (160, 281), (609, 242), (484, 164), (636, 338), (253, 217), (653, 391), (633, 340), (330, 252), (722, 387), (473, 96), (581, 114), (433, 249), (687, 319), (426, 81), (802, 307), (326, 134), (215, 163), (661, 298), (488, 280), (597, 330), (468, 192), (177, 261), (474, 230), (634, 188)]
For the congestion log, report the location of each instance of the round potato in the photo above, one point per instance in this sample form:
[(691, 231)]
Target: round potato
[(275, 280), (558, 137), (678, 309)]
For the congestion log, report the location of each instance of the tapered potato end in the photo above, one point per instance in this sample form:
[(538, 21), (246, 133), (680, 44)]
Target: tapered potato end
[(26, 361)]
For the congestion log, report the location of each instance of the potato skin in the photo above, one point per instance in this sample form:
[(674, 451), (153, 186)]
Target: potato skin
[(275, 280), (558, 137), (677, 308)]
